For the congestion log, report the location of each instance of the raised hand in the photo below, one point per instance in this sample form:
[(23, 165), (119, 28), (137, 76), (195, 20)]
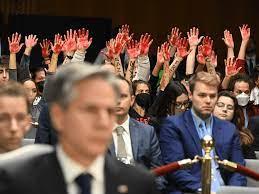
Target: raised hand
[(109, 50), (166, 51), (214, 59), (228, 39), (58, 44), (70, 44), (14, 43), (245, 32), (45, 50), (31, 41), (174, 36), (83, 40), (182, 48), (160, 56), (193, 37), (200, 57), (124, 30), (144, 44), (133, 49), (231, 67), (118, 44), (207, 45)]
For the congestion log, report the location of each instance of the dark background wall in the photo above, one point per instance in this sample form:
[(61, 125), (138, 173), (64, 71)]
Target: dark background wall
[(155, 17)]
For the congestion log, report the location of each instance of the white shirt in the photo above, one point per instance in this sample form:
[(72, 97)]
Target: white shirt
[(126, 138), (254, 96), (71, 170)]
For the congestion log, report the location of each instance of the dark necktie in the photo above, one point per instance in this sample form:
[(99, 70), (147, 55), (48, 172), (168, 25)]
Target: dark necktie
[(84, 183)]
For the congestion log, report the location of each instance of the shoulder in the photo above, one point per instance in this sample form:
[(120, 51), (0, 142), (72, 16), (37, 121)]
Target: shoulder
[(22, 159), (140, 125)]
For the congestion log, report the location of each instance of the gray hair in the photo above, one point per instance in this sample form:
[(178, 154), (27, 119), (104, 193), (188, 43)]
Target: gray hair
[(61, 85)]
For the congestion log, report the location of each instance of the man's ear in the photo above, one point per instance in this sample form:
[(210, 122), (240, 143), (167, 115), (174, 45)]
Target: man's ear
[(132, 100), (57, 116)]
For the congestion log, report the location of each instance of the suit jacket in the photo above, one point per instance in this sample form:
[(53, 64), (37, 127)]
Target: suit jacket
[(145, 145), (45, 134), (42, 174), (179, 139), (254, 127)]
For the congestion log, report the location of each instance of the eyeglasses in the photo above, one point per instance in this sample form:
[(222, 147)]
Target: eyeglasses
[(221, 105), (179, 105)]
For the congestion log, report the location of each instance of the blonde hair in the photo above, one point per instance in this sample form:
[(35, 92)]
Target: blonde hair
[(205, 78)]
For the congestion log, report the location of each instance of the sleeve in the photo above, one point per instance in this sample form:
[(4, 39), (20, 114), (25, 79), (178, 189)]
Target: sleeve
[(23, 71), (78, 56), (13, 74), (143, 72), (241, 63)]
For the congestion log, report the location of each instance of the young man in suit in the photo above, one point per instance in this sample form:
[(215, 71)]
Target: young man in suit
[(82, 104), (14, 115), (180, 138), (136, 143)]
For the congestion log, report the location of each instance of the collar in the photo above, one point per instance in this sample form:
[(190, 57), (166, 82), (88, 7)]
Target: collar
[(198, 120), (71, 169), (125, 125)]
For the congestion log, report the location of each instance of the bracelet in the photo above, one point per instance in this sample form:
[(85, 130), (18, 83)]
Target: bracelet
[(69, 57)]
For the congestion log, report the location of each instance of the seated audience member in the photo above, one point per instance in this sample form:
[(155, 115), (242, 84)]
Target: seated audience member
[(180, 138), (254, 127), (14, 115), (4, 70), (35, 105), (254, 97), (80, 95), (241, 86), (134, 142), (172, 101), (227, 109), (142, 101)]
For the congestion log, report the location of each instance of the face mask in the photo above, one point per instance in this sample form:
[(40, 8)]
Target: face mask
[(143, 100), (242, 99), (40, 86)]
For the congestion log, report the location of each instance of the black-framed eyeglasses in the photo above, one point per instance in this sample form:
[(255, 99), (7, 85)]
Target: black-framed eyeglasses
[(179, 105), (222, 104)]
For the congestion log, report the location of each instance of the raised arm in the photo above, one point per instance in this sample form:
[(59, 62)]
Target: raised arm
[(70, 45), (245, 34), (173, 38), (194, 40), (228, 40), (56, 49)]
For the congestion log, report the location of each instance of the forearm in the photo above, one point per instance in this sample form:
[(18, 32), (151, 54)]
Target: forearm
[(210, 67), (230, 53), (190, 61), (129, 72), (118, 66), (242, 50), (12, 61), (143, 72), (27, 51), (53, 63), (79, 56), (157, 69), (225, 82), (174, 65)]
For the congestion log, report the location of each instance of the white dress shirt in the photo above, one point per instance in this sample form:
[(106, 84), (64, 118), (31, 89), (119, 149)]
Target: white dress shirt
[(126, 138), (71, 170)]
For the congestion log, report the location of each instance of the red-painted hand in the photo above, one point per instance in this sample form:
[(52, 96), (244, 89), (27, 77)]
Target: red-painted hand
[(14, 43), (133, 49), (182, 48), (200, 57), (231, 67), (166, 51), (58, 44), (83, 40), (45, 51), (159, 56), (145, 43), (70, 41), (174, 36), (207, 45), (125, 30)]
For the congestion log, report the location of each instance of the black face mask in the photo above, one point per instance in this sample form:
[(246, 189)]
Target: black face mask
[(143, 100), (40, 86)]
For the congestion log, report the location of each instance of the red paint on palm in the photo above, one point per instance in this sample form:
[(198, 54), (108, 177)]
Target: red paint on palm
[(83, 40), (14, 43), (133, 49), (58, 44), (144, 44), (174, 36), (182, 47), (166, 51), (200, 57), (70, 44), (45, 51), (207, 44)]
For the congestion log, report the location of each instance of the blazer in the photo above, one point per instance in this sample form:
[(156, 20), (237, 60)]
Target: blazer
[(26, 173), (179, 139), (145, 145)]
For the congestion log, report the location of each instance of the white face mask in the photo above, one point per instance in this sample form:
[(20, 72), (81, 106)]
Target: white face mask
[(242, 99)]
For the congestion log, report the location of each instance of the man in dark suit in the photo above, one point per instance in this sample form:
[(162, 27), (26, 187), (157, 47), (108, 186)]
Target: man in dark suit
[(81, 102), (138, 143), (180, 138)]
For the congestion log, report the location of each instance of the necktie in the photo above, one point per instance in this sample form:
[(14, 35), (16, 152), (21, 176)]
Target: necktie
[(84, 183), (121, 149), (203, 130)]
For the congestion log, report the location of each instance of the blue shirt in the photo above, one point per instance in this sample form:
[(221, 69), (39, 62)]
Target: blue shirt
[(204, 127)]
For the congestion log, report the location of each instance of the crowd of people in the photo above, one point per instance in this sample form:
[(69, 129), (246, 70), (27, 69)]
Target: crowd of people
[(122, 109)]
